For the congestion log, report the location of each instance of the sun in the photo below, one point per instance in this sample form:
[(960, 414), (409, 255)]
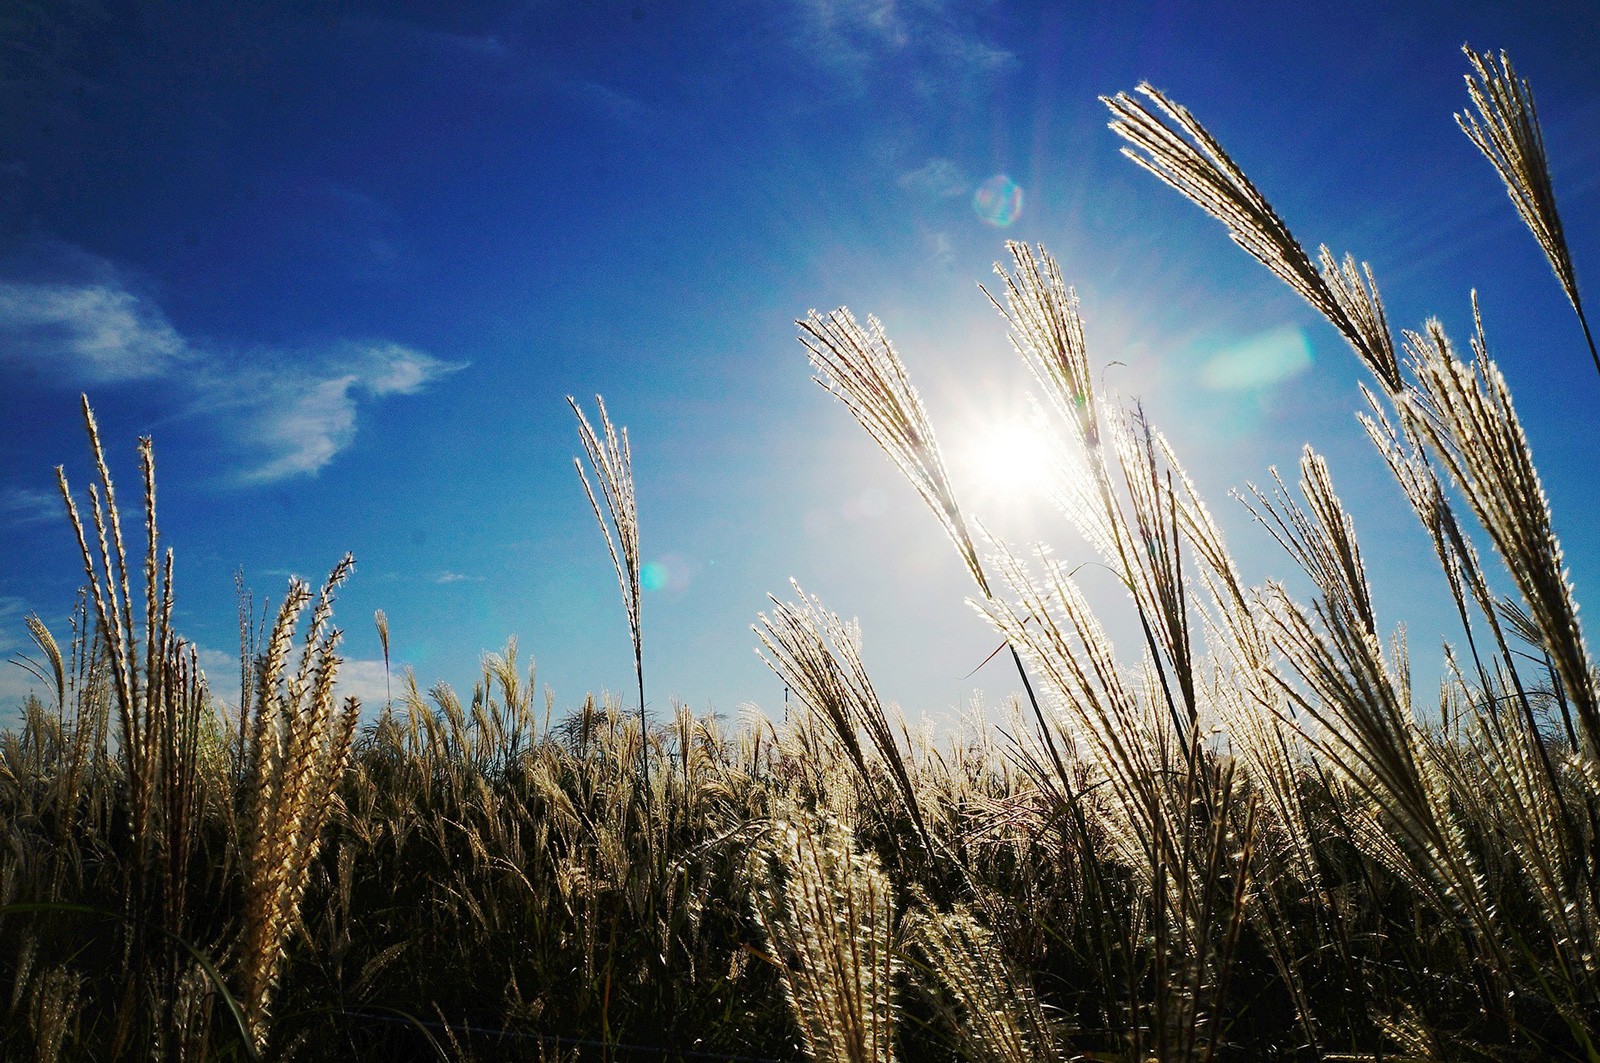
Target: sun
[(1009, 460)]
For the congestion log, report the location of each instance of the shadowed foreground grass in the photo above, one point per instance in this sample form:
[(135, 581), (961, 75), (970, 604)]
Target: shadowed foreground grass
[(1243, 841)]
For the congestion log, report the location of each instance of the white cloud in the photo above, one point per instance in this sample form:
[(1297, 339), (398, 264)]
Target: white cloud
[(98, 333), (365, 679), (221, 668), (427, 38), (937, 177), (357, 677), (302, 429), (12, 628), (970, 52), (396, 370), (289, 413), (480, 45), (296, 419), (16, 683), (457, 577)]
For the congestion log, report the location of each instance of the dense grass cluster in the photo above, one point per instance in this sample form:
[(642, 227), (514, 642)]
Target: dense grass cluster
[(1243, 842)]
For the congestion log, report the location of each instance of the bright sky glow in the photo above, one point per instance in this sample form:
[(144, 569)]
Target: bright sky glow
[(345, 261)]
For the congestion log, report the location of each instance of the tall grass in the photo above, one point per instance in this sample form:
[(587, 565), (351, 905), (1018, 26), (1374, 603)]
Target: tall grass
[(1243, 837), (611, 459)]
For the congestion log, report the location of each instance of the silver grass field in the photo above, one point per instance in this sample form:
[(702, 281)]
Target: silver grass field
[(1242, 840)]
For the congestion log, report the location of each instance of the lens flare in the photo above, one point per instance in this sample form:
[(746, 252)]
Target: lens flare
[(998, 201), (1260, 362), (670, 572), (653, 576)]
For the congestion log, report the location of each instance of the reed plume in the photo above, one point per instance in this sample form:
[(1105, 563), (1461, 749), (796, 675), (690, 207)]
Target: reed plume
[(819, 658), (860, 367), (991, 1007), (1170, 143), (1465, 413), (1506, 129), (827, 911)]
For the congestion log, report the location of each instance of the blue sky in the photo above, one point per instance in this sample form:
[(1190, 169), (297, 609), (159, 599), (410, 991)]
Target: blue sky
[(345, 261)]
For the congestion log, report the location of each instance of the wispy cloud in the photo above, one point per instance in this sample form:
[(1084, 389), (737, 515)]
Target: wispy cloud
[(851, 31), (939, 247), (330, 225), (616, 105), (481, 45), (855, 35), (457, 577), (288, 413), (12, 610), (29, 505), (293, 419), (96, 333), (430, 39), (936, 177), (369, 681), (487, 53), (969, 51)]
